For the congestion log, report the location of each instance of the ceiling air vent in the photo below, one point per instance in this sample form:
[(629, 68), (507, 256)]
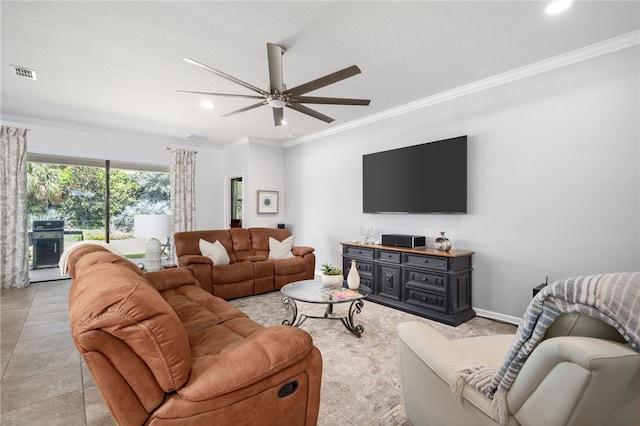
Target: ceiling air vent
[(25, 72), (199, 138)]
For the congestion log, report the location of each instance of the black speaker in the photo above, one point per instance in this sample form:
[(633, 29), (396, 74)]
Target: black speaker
[(281, 226), (399, 240)]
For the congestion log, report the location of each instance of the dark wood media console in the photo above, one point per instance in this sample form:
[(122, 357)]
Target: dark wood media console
[(421, 281)]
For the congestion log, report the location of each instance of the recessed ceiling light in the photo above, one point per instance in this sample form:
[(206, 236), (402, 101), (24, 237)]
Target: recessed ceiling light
[(283, 122), (196, 137), (207, 104), (557, 6)]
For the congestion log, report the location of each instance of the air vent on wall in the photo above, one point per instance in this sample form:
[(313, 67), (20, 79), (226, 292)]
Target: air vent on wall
[(24, 72), (194, 137)]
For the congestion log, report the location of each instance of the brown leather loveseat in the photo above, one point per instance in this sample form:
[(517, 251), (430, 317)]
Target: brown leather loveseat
[(250, 269), (162, 351)]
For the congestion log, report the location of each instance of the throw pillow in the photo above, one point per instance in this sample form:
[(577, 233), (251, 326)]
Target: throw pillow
[(215, 251), (280, 249)]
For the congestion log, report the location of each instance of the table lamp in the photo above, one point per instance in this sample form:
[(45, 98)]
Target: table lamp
[(152, 227)]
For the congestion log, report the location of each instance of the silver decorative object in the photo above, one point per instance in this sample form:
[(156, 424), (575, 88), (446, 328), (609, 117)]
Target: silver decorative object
[(366, 235), (443, 243)]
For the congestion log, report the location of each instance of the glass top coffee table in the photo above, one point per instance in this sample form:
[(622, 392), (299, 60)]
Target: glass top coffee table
[(314, 291)]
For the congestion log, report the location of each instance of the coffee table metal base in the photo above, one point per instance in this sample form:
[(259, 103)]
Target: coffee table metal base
[(347, 321)]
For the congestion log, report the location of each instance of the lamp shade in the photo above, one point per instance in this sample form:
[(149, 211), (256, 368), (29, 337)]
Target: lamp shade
[(152, 226)]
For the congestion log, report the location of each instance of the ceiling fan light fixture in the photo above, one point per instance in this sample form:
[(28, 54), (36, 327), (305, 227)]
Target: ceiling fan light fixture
[(277, 103)]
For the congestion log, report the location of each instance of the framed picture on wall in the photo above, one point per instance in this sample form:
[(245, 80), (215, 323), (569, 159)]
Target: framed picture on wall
[(267, 201)]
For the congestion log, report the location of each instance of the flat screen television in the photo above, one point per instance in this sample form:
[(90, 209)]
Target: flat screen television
[(425, 178)]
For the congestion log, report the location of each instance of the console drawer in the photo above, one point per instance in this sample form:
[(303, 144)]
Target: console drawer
[(364, 253), (389, 256), (427, 262), (420, 278), (367, 281), (364, 268), (388, 281), (425, 299)]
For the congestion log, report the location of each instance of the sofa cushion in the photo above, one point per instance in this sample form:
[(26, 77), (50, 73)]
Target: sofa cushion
[(260, 238), (71, 255), (280, 249), (241, 239), (250, 354), (215, 251), (102, 257), (131, 310), (199, 310), (291, 266), (188, 242), (576, 324)]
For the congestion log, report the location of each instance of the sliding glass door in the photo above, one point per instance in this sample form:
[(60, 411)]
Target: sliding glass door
[(76, 199)]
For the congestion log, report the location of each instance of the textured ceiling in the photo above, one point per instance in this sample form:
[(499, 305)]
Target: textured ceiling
[(117, 65)]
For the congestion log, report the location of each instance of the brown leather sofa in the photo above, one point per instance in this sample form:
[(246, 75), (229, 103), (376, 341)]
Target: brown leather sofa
[(250, 270), (161, 350)]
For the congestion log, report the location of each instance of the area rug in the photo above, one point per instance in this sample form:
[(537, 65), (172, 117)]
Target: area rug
[(360, 379)]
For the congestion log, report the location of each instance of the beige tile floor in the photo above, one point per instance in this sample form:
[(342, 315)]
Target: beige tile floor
[(44, 381)]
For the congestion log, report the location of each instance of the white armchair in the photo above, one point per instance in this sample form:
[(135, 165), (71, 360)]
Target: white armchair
[(583, 373)]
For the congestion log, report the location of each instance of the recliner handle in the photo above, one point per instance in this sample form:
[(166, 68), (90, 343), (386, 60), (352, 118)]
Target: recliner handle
[(288, 389)]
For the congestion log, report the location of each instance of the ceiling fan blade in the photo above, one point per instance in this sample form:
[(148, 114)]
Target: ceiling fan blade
[(245, 109), (330, 101), (278, 116), (324, 81), (274, 56), (227, 76), (221, 94), (313, 113)]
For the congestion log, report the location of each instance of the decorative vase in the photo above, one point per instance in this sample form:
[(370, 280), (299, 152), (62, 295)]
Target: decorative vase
[(333, 280), (353, 278), (443, 243)]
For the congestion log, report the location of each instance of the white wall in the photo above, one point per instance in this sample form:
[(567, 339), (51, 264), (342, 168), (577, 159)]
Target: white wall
[(553, 179), (261, 165), (84, 142), (266, 172), (236, 164)]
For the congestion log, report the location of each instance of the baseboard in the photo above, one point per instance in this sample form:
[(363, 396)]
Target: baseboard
[(497, 316)]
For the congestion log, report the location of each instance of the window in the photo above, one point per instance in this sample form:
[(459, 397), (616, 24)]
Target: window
[(96, 199)]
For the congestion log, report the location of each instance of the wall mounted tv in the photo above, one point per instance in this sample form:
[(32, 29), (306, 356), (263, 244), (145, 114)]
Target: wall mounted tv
[(425, 178)]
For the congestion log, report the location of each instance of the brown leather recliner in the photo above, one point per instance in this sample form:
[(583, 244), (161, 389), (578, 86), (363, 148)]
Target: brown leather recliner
[(161, 350), (250, 270)]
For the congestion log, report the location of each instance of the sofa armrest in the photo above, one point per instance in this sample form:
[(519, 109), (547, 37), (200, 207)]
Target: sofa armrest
[(262, 354), (427, 361), (191, 259), (167, 279), (433, 349), (301, 250), (567, 372)]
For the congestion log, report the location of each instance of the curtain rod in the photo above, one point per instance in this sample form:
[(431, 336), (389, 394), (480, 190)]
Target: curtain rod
[(168, 148)]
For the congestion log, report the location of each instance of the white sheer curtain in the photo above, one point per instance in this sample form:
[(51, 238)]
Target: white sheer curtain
[(183, 191), (14, 248)]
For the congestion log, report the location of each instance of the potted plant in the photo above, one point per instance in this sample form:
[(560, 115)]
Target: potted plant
[(331, 275)]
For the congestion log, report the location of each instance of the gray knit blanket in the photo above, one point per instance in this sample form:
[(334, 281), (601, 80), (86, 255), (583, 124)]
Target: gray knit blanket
[(612, 298)]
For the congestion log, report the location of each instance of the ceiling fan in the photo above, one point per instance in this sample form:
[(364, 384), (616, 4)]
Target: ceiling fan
[(278, 96)]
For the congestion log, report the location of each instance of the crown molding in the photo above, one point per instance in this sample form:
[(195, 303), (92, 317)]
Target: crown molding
[(592, 51)]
